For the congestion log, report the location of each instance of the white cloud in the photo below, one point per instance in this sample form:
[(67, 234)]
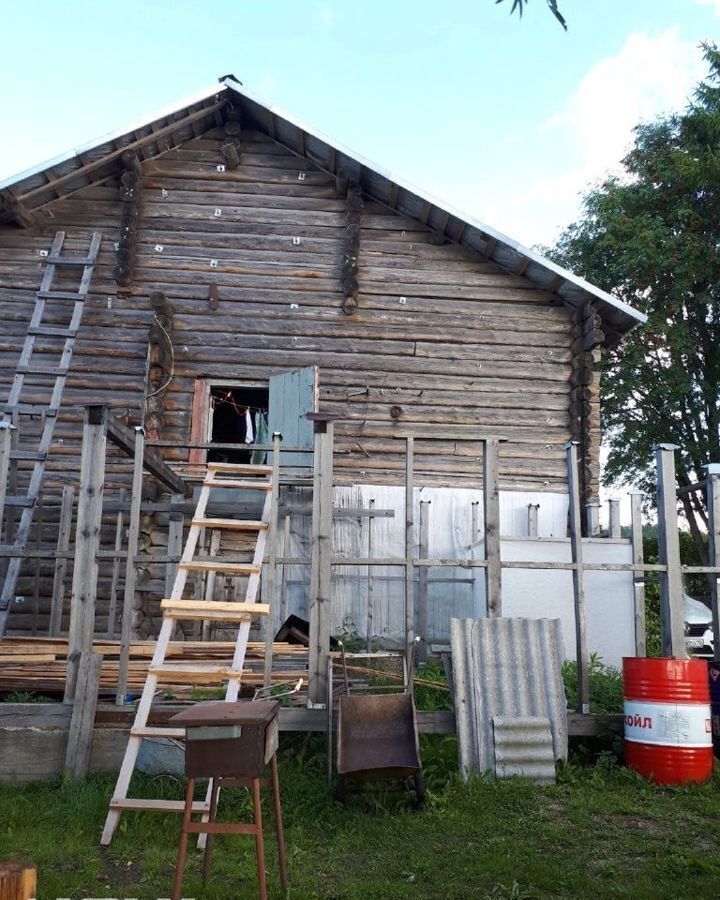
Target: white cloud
[(649, 76), (714, 3), (326, 15)]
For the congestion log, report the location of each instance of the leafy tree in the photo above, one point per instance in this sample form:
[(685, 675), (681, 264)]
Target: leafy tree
[(519, 5), (651, 236)]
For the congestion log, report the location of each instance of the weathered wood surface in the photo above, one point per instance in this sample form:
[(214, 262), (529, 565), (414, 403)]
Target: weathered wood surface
[(456, 343)]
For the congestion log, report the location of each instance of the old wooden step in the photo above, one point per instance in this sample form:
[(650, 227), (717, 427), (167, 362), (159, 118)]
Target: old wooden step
[(211, 610), (220, 566)]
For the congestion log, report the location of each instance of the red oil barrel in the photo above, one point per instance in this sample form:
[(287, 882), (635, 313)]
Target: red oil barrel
[(668, 737)]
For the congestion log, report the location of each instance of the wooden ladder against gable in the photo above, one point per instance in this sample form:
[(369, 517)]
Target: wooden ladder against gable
[(176, 608), (58, 295)]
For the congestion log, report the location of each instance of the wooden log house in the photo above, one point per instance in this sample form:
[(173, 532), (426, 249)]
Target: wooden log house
[(247, 263)]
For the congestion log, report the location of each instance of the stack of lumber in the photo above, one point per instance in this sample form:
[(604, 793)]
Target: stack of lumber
[(39, 664)]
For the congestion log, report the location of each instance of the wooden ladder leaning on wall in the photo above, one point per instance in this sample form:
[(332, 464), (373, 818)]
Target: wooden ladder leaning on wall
[(175, 608), (49, 292)]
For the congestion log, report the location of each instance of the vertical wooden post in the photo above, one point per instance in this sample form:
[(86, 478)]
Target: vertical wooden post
[(713, 507), (592, 519), (115, 577), (533, 519), (87, 541), (270, 570), (285, 570), (672, 607), (409, 548), (581, 651), (614, 528), (39, 522), (320, 559), (638, 577), (370, 581), (5, 441), (491, 499), (478, 575), (423, 553), (82, 721), (126, 624), (175, 541), (63, 544)]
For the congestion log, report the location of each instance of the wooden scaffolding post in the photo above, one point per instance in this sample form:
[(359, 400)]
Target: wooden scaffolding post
[(713, 507), (532, 519), (63, 545), (87, 541), (491, 504), (370, 580), (581, 651), (126, 622), (614, 526), (320, 559), (115, 578), (423, 575), (592, 519), (672, 611), (409, 554), (6, 429), (270, 571), (638, 559)]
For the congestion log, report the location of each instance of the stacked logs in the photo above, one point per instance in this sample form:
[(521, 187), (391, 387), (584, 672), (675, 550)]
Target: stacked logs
[(587, 339), (130, 197), (351, 250)]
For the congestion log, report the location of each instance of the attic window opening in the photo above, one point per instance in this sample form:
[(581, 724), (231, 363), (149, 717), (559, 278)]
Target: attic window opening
[(237, 415)]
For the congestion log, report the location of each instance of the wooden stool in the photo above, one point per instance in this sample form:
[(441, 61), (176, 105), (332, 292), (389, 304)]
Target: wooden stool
[(231, 743)]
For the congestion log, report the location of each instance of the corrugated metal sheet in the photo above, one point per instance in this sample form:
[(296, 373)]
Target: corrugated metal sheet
[(524, 746), (505, 667)]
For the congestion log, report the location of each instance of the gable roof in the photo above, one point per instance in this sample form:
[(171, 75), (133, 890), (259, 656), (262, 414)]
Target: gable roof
[(21, 194)]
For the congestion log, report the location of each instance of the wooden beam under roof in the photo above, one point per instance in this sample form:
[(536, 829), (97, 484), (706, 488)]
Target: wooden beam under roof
[(11, 208), (133, 145)]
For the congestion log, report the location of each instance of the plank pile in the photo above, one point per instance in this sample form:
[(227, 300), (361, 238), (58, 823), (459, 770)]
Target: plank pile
[(39, 664)]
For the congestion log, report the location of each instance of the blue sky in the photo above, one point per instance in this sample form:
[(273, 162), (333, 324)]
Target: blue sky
[(509, 120)]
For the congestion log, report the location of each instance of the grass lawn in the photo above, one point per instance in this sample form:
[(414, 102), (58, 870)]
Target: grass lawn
[(601, 832)]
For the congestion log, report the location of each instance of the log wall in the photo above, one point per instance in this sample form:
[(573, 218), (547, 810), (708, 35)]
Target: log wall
[(254, 261)]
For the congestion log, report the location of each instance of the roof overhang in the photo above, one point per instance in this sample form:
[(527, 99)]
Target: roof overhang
[(23, 196)]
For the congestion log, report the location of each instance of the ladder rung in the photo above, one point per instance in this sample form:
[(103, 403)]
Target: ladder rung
[(33, 455), (52, 331), (61, 295), (199, 806), (220, 566), (172, 674), (42, 370), (240, 485), (70, 261), (19, 501), (150, 731), (31, 409), (246, 468), (231, 524), (211, 610)]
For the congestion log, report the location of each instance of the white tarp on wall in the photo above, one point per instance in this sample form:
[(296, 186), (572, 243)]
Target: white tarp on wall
[(460, 592)]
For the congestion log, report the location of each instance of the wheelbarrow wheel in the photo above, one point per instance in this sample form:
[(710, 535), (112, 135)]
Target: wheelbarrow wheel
[(341, 789), (420, 795)]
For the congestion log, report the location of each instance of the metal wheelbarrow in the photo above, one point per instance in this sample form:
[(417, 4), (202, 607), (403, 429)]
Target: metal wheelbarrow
[(377, 739)]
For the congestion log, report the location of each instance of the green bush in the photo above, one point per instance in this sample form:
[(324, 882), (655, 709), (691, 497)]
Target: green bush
[(606, 686)]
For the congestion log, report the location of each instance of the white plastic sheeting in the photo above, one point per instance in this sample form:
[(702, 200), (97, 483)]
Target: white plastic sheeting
[(509, 668), (456, 592)]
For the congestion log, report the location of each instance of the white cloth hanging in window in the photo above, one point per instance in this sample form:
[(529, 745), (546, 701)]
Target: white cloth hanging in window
[(248, 427)]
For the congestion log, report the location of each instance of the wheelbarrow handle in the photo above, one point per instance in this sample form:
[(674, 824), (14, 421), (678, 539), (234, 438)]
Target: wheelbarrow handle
[(293, 688)]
